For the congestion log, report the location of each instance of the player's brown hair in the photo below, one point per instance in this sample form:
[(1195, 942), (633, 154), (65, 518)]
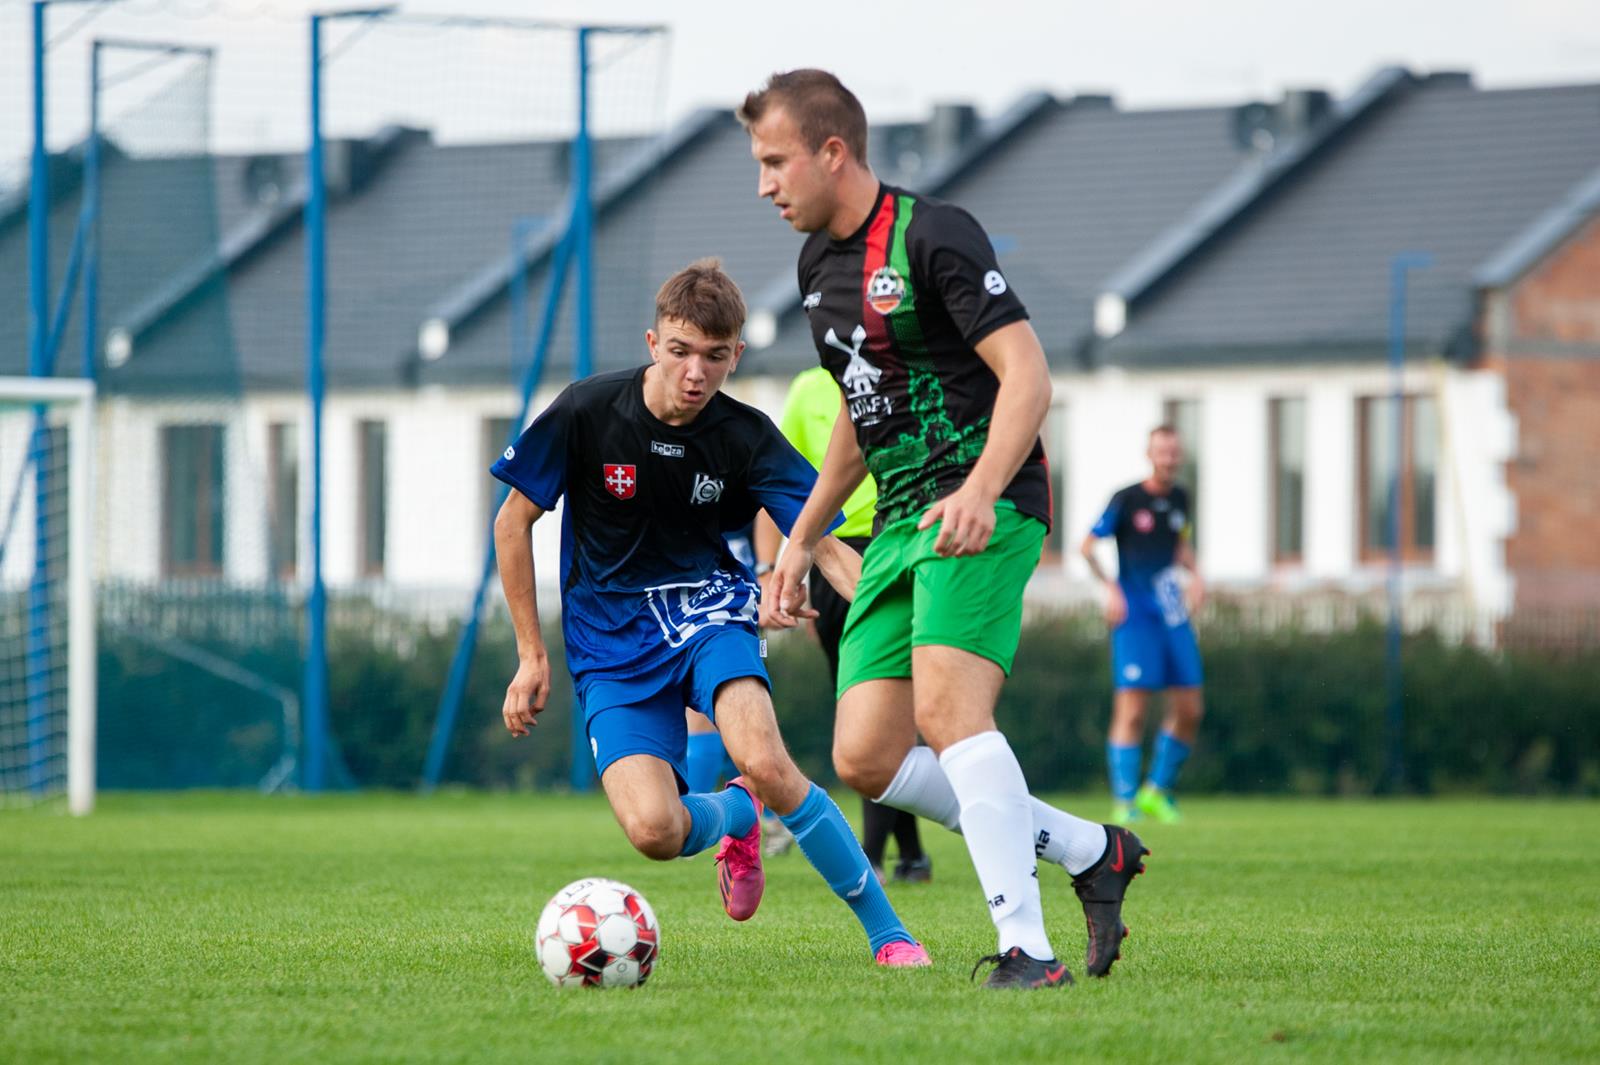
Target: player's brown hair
[(705, 297), (1164, 429), (819, 104)]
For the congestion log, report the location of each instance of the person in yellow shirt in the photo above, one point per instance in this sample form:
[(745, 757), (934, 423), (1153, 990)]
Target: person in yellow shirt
[(808, 416)]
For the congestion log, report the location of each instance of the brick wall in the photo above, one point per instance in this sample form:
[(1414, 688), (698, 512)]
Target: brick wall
[(1551, 364)]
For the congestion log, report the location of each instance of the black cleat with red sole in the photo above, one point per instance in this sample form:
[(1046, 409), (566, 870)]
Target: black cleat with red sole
[(1015, 970), (1101, 888)]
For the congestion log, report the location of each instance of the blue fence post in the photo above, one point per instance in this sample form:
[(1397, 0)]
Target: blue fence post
[(89, 221), (37, 651), (582, 770), (315, 681), (1398, 267)]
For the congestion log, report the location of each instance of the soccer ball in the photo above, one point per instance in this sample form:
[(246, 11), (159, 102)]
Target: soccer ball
[(597, 933)]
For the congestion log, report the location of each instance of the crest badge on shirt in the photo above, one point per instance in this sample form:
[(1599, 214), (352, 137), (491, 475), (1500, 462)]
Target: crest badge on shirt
[(885, 289), (1143, 520), (621, 481)]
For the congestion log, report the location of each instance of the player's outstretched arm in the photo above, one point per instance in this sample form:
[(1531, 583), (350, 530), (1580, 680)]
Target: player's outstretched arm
[(513, 545), (1116, 608), (1196, 592), (966, 515), (843, 469), (841, 564)]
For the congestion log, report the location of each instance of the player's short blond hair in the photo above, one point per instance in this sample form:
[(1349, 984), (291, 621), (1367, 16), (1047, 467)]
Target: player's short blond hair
[(704, 296)]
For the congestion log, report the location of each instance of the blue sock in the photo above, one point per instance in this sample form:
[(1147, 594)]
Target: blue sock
[(1171, 752), (1123, 764), (706, 755), (825, 838), (729, 812)]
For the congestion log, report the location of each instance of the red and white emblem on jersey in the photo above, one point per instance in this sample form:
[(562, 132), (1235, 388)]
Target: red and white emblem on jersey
[(621, 480), (1143, 521)]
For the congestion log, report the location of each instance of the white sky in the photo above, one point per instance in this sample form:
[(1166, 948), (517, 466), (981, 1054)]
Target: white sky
[(900, 58)]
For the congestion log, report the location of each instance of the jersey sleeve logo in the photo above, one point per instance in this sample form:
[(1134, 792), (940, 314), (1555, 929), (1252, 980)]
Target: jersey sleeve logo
[(885, 289), (994, 283), (621, 480)]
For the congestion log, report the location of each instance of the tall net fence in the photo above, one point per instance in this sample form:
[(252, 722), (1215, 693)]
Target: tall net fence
[(454, 169), (178, 227)]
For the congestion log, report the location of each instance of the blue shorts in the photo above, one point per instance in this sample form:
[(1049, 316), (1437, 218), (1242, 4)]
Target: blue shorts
[(1149, 654), (643, 714)]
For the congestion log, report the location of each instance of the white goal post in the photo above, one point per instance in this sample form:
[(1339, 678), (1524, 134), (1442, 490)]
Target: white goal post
[(69, 404)]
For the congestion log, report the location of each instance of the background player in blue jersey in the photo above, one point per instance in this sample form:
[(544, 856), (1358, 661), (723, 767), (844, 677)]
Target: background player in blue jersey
[(656, 467), (1153, 646)]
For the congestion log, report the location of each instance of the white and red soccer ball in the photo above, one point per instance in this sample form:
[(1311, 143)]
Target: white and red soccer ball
[(597, 933)]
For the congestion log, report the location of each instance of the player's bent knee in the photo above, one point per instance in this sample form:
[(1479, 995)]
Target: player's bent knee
[(776, 780), (861, 771), (655, 838)]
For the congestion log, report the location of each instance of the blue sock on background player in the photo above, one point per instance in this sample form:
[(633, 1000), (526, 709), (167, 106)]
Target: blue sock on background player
[(729, 812), (1170, 754), (827, 842), (1122, 764), (706, 755)]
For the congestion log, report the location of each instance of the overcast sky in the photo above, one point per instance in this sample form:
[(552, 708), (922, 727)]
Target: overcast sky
[(901, 58)]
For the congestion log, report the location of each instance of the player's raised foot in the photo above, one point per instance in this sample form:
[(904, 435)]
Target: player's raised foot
[(1123, 813), (919, 871), (903, 954), (1157, 805), (739, 875), (1016, 970), (1101, 888)]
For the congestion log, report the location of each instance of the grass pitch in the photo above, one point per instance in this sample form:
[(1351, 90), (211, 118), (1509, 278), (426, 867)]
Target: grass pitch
[(209, 928)]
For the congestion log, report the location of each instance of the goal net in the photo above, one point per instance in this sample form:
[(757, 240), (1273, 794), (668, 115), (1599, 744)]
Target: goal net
[(47, 637)]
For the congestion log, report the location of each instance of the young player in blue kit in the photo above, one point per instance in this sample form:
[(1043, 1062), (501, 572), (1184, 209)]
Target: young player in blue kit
[(656, 466), (1153, 646)]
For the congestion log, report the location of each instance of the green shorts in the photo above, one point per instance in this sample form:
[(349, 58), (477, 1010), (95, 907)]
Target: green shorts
[(911, 597)]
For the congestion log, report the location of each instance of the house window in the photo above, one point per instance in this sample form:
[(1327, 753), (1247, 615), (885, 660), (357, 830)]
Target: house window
[(1410, 463), (283, 496), (1055, 454), (1286, 446), (373, 500), (192, 500), (1184, 416), (496, 433)]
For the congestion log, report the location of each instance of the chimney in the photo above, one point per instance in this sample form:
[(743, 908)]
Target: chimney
[(951, 129), (1302, 110)]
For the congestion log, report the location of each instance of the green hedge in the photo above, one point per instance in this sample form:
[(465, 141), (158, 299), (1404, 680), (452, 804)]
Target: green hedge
[(1287, 711)]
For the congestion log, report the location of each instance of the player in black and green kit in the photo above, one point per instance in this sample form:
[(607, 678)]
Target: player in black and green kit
[(944, 388)]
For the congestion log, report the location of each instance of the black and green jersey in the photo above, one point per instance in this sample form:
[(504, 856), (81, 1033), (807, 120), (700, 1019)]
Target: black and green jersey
[(896, 309)]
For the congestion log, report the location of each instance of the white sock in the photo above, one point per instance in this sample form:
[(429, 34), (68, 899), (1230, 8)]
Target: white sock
[(921, 787), (1068, 841), (995, 818)]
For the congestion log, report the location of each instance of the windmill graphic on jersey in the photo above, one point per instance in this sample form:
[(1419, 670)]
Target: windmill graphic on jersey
[(860, 378)]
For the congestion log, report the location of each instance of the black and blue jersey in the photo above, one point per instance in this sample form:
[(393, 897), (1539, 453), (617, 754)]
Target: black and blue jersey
[(644, 563), (1148, 528)]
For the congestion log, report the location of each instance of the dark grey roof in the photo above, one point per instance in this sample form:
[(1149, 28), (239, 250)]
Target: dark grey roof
[(1441, 168), (158, 218), (1224, 253), (1068, 192), (1529, 247)]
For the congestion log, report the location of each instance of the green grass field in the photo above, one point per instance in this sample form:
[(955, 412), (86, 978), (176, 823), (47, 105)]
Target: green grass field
[(231, 928)]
